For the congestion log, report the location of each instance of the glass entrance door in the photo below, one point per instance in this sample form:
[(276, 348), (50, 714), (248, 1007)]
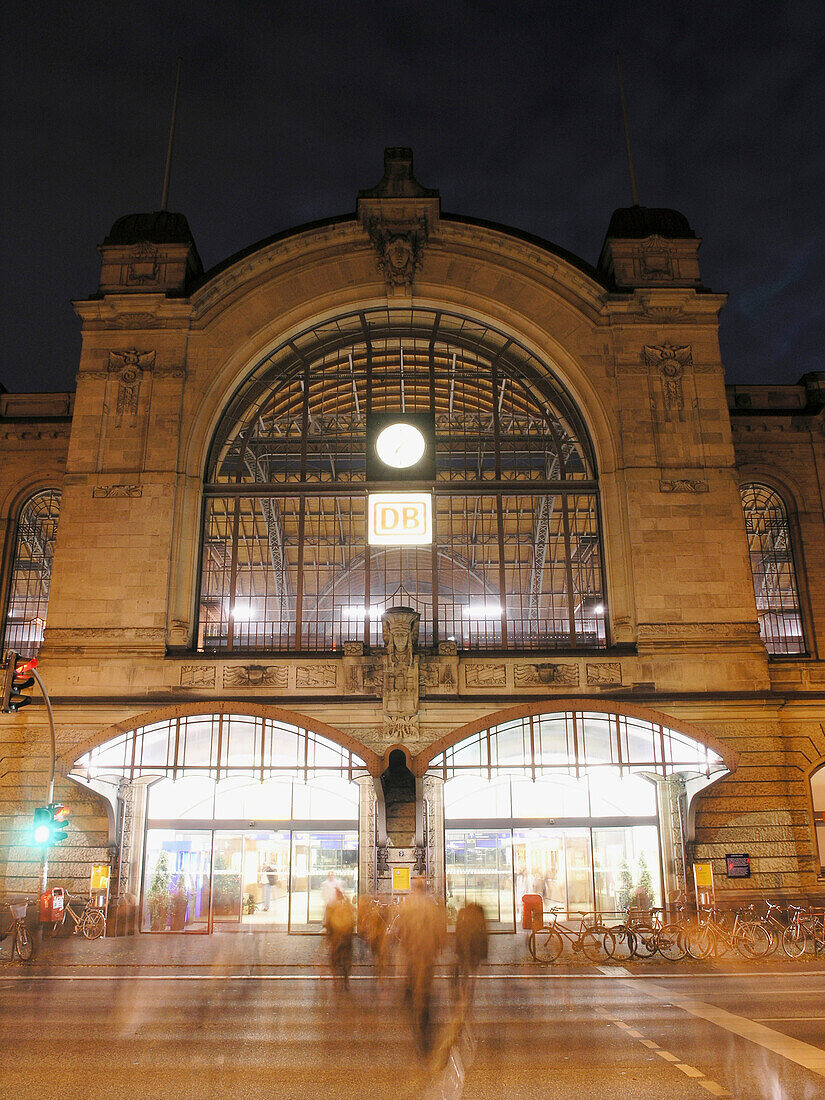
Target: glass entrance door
[(479, 866), (315, 856)]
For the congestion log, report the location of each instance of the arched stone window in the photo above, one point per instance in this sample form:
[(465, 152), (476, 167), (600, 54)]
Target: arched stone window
[(516, 559), (31, 572), (772, 565), (818, 796)]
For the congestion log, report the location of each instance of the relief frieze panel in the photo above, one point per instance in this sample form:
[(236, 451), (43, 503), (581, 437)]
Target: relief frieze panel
[(255, 676), (324, 675), (198, 676), (546, 674), (485, 675), (604, 674)]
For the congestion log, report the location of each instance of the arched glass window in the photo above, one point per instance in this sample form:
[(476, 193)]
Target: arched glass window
[(31, 573), (516, 554), (772, 565), (818, 795)]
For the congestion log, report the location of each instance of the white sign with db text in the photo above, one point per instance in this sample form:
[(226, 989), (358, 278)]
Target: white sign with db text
[(400, 519)]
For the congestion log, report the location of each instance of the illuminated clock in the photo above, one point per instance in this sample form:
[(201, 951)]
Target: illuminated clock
[(400, 445)]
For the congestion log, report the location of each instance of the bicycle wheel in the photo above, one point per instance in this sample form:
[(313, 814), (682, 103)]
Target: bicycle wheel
[(752, 941), (645, 938), (58, 925), (93, 924), (670, 942), (595, 943), (699, 941), (774, 938), (624, 944), (545, 945), (794, 941), (23, 943)]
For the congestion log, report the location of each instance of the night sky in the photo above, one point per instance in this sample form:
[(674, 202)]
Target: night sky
[(511, 109)]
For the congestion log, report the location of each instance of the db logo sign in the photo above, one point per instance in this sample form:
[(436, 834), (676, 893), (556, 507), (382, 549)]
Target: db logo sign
[(400, 519)]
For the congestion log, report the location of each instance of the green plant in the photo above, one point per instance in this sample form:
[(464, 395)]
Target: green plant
[(625, 886), (158, 897), (226, 888), (645, 881)]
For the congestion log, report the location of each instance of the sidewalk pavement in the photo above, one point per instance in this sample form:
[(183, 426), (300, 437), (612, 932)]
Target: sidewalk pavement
[(228, 950)]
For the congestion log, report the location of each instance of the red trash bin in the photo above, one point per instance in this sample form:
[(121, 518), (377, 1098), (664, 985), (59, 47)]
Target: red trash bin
[(532, 906), (51, 905)]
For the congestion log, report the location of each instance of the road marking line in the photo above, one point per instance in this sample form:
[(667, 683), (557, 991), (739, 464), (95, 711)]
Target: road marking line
[(668, 1057), (767, 1019), (649, 1044), (689, 1071), (803, 1054), (615, 971), (713, 1087), (635, 1034)]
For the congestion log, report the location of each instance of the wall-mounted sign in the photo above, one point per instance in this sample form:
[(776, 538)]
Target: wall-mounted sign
[(400, 879), (100, 876), (738, 865), (400, 519)]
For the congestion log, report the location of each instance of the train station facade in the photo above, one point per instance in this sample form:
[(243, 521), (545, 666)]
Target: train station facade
[(404, 543)]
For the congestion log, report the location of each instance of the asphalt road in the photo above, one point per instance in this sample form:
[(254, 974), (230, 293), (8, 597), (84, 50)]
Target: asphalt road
[(600, 1036)]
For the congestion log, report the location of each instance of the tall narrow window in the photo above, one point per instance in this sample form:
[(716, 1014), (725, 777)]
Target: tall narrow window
[(818, 794), (31, 573), (772, 565)]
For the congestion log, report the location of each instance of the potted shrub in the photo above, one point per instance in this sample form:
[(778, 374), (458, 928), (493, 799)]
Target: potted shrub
[(158, 898), (179, 903)]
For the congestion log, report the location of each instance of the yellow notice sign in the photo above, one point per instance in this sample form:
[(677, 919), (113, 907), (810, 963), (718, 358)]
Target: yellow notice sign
[(100, 876), (400, 878), (703, 875)]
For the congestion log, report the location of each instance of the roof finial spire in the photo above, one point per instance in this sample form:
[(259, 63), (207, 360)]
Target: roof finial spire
[(633, 189), (165, 196)]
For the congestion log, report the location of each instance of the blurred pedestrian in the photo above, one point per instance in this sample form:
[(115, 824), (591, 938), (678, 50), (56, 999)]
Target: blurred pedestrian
[(339, 922), (330, 888), (270, 879), (470, 945), (421, 933), (373, 929)]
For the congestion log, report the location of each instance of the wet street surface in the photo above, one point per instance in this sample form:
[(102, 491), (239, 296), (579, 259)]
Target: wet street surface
[(602, 1033)]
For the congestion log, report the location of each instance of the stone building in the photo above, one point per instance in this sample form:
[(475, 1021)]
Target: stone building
[(403, 542)]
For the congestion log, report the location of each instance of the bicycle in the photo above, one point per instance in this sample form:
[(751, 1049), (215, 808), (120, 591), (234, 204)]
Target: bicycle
[(90, 922), (592, 938), (21, 938), (713, 936), (806, 925), (771, 923)]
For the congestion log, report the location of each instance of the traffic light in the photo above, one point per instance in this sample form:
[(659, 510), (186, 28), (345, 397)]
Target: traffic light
[(43, 826), (60, 815), (50, 824), (16, 680)]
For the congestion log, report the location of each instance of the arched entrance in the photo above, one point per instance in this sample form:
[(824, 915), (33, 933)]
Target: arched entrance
[(228, 820), (586, 808)]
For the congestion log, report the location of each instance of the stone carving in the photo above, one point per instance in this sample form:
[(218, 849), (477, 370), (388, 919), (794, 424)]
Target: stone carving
[(448, 649), (440, 675), (255, 676), (129, 366), (671, 360), (604, 674), (485, 675), (401, 727), (400, 627), (117, 491), (399, 251), (697, 632), (373, 677), (655, 259), (353, 649), (143, 265), (197, 676), (136, 320), (530, 675), (316, 676), (683, 485)]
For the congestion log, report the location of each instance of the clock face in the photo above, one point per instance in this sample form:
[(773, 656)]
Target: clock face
[(400, 445)]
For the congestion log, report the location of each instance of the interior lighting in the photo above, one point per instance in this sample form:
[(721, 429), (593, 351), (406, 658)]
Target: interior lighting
[(242, 612), (359, 611), (482, 611)]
